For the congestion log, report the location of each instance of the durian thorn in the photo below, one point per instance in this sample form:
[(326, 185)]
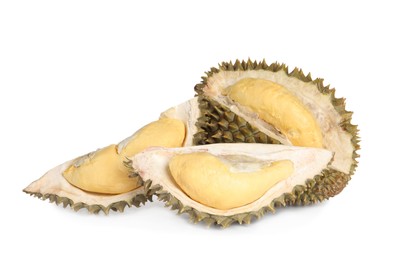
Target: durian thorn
[(118, 206), (223, 221), (128, 163), (147, 185), (132, 172), (140, 182)]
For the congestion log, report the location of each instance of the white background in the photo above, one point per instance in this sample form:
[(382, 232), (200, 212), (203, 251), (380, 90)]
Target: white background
[(78, 75)]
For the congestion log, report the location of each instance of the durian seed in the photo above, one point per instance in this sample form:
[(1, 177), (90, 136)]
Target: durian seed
[(278, 107), (104, 171), (222, 185)]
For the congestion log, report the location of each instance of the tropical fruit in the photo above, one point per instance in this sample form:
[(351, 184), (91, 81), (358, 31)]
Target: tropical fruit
[(100, 180), (255, 137), (227, 183)]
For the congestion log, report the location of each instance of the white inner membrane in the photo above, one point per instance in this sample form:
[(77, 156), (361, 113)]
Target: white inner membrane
[(153, 164)]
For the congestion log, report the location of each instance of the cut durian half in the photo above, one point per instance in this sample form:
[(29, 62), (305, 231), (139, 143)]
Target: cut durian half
[(286, 106), (240, 164)]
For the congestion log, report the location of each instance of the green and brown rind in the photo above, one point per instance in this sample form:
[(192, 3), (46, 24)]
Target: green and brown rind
[(306, 194), (119, 206), (96, 208), (218, 124), (328, 184)]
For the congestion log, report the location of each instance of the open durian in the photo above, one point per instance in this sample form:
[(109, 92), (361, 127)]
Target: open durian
[(246, 102)]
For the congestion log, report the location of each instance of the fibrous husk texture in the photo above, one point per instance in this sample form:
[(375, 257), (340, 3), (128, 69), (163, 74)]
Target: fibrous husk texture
[(218, 124)]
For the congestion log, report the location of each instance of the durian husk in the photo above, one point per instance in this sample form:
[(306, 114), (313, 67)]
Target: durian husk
[(54, 187), (324, 186), (117, 191), (311, 192), (142, 165)]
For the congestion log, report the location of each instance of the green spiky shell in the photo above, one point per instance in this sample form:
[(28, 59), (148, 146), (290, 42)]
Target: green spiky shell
[(218, 124), (324, 186), (119, 206), (300, 195)]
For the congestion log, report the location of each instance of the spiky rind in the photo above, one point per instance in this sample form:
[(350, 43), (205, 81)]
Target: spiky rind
[(128, 163), (320, 188), (69, 196), (301, 195), (323, 189), (218, 124), (95, 208)]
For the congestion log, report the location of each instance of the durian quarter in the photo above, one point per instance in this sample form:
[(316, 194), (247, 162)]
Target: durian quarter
[(153, 167), (99, 181), (54, 187)]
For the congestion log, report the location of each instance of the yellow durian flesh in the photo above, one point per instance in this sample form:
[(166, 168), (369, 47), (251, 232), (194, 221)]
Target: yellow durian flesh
[(278, 107), (104, 171), (165, 132), (218, 184)]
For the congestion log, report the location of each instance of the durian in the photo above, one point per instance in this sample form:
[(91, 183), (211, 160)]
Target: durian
[(226, 183), (100, 180), (306, 150)]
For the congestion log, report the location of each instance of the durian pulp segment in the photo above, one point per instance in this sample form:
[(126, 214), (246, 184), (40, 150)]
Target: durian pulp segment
[(218, 184), (278, 107), (104, 171), (165, 132)]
